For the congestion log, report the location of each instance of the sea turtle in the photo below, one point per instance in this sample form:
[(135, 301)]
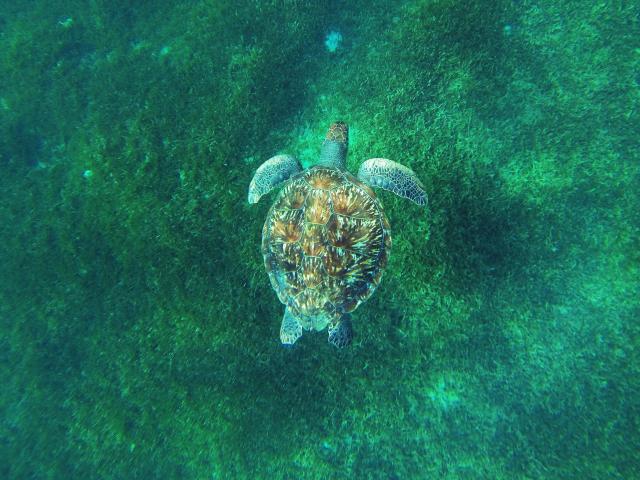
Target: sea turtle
[(326, 239)]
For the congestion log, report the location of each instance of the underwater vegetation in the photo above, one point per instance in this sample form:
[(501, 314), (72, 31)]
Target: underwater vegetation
[(139, 332)]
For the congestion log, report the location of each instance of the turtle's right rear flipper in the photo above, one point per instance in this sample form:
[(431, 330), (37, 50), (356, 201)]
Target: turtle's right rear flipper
[(341, 332)]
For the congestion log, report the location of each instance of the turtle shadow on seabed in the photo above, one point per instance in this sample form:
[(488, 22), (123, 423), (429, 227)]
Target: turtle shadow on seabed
[(491, 237)]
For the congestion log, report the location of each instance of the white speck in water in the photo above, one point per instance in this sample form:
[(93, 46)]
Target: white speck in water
[(332, 40)]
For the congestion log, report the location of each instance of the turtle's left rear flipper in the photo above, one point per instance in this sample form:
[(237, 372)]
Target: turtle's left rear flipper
[(290, 329)]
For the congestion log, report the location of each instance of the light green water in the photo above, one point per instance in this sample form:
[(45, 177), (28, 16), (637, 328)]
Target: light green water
[(139, 332)]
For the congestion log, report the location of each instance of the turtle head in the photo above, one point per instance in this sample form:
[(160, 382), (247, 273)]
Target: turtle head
[(334, 148), (338, 132)]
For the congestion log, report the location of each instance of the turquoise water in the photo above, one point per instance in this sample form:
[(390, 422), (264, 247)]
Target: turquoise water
[(139, 331)]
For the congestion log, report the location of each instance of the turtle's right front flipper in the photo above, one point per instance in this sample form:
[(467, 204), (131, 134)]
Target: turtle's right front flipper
[(271, 174), (389, 175)]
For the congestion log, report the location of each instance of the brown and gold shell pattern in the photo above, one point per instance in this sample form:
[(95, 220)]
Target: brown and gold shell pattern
[(325, 243)]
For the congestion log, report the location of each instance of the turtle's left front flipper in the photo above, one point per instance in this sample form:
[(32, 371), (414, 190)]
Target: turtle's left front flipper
[(387, 174), (271, 174)]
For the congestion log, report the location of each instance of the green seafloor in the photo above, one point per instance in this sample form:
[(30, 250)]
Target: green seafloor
[(138, 329)]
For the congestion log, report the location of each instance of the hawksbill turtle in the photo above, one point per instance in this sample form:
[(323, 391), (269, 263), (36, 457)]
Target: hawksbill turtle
[(326, 239)]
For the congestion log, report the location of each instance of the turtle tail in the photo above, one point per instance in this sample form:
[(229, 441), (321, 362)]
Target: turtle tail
[(334, 148)]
